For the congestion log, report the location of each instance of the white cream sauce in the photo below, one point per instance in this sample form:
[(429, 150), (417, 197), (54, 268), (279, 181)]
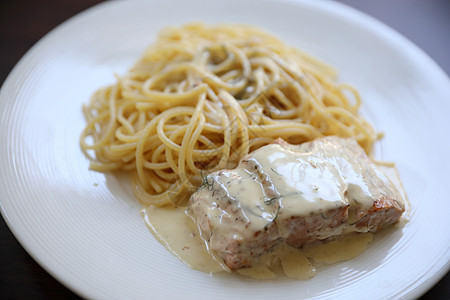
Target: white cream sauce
[(301, 180), (241, 184), (280, 181), (174, 229), (180, 235), (323, 175), (305, 184)]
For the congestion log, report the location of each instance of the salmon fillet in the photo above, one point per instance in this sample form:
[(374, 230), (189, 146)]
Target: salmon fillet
[(293, 193)]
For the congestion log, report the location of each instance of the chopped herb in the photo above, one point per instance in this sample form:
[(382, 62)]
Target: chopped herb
[(274, 219), (207, 183), (271, 200), (276, 215), (275, 171)]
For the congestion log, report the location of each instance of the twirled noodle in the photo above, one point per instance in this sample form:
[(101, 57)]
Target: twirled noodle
[(202, 97)]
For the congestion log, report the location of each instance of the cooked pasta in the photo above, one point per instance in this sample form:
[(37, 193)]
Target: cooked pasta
[(201, 97)]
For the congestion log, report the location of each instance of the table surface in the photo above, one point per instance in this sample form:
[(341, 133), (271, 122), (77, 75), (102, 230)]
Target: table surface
[(24, 22)]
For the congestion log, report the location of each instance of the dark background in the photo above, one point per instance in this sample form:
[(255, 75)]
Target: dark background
[(24, 22)]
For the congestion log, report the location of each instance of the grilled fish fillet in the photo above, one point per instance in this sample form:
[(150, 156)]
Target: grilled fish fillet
[(293, 193)]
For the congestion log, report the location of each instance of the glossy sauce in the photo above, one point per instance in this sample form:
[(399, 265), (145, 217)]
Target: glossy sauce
[(280, 181), (318, 177), (174, 229)]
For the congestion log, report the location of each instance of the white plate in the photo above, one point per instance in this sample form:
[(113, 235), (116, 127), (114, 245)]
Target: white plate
[(84, 227)]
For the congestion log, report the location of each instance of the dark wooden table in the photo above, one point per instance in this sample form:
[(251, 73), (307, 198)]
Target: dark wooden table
[(24, 22)]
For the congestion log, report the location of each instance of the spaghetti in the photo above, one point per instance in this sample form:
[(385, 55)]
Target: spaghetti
[(202, 97)]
